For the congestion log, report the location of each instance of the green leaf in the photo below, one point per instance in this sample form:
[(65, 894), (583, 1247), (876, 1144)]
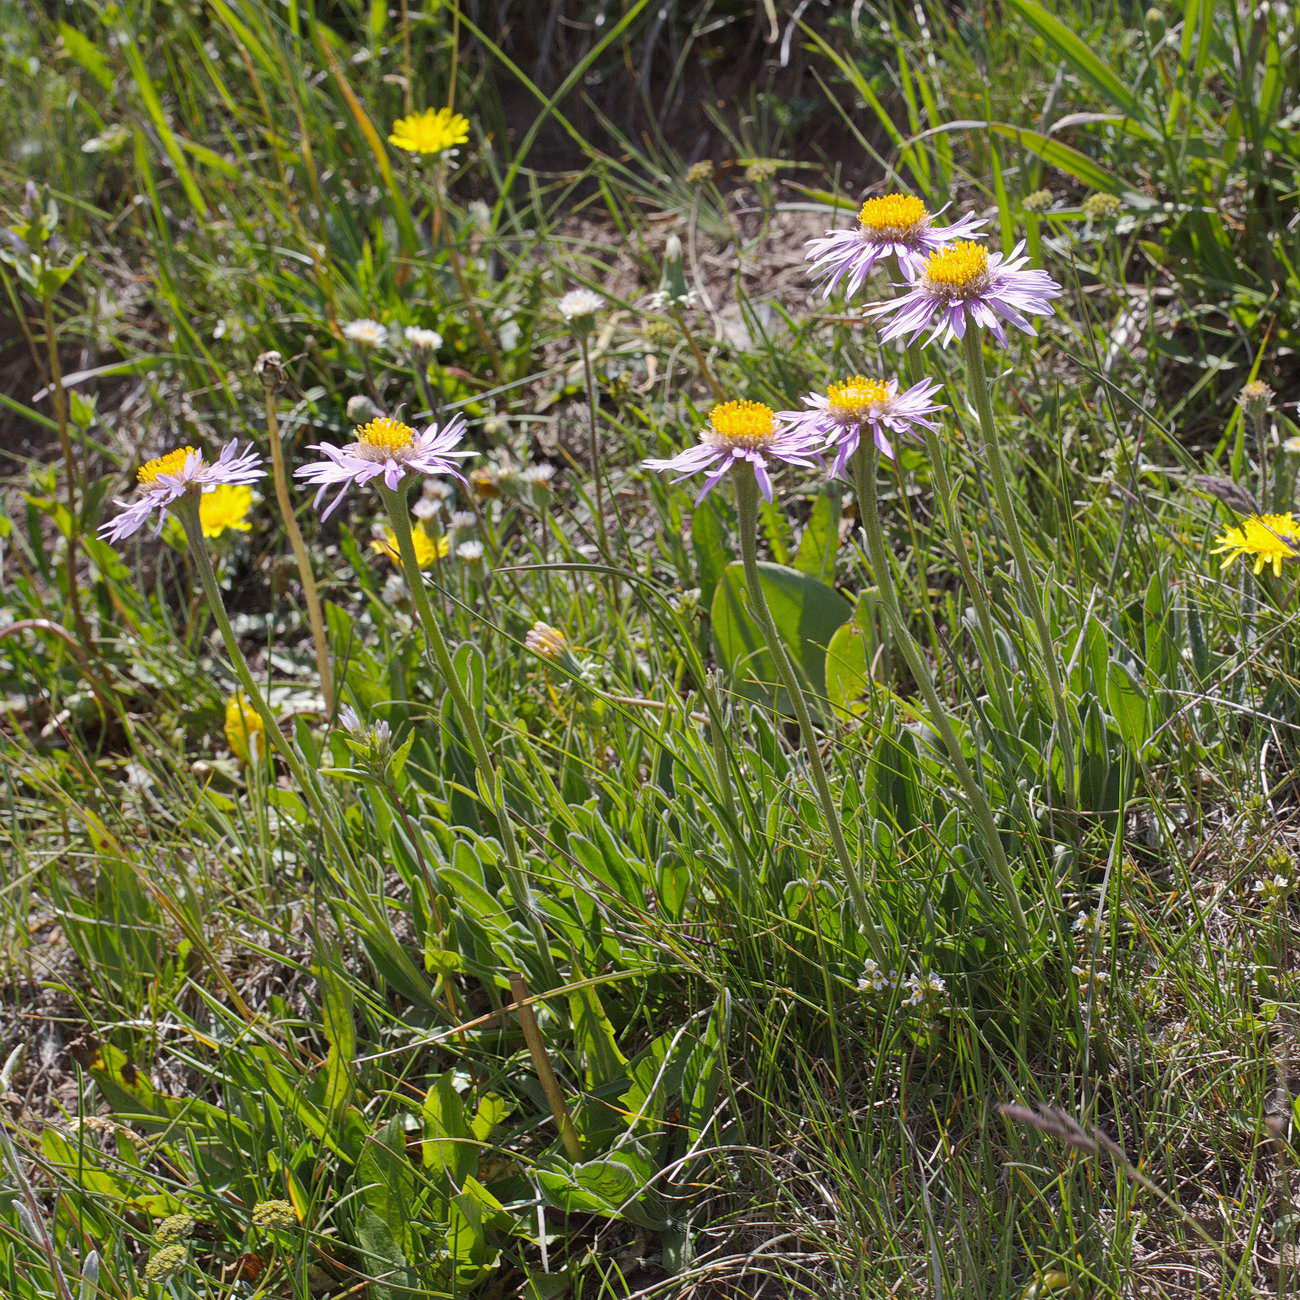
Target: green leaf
[(449, 1143), (709, 541), (821, 538), (86, 53), (806, 613), (340, 1033), (849, 684), (1081, 57), (1127, 704)]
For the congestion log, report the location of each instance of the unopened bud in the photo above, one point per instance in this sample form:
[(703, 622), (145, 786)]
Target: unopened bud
[(269, 368)]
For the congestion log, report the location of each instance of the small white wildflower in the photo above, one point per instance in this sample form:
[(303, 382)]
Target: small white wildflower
[(924, 988), (580, 307), (471, 552), (425, 508), (1085, 923), (109, 140), (1270, 890), (422, 340), (463, 521), (538, 475), (368, 333), (1292, 445), (437, 489), (875, 979), (508, 334)]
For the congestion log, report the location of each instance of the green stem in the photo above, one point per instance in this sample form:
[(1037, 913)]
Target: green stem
[(1034, 599), (747, 523), (187, 511), (864, 473), (593, 446), (490, 783), (311, 597)]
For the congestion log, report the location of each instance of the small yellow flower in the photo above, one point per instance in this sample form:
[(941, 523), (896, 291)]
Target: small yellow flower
[(1268, 538), (225, 507), (433, 131), (547, 641), (244, 729), (427, 549), (892, 216)]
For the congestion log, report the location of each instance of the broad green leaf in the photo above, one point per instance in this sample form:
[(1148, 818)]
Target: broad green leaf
[(806, 613), (821, 538), (449, 1143)]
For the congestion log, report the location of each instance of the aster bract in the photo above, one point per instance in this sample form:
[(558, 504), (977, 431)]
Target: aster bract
[(894, 225), (1265, 539), (740, 433), (857, 405), (384, 449), (183, 472), (964, 285), (434, 131)]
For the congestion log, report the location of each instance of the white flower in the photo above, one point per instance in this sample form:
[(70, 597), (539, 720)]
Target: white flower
[(1269, 890), (922, 988), (368, 333), (471, 552), (579, 304), (425, 508), (437, 490), (463, 521), (875, 979), (1084, 923), (538, 475), (422, 340)]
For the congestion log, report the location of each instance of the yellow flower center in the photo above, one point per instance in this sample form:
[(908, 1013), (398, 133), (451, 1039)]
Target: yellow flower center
[(172, 463), (746, 423), (857, 396), (895, 216), (385, 435), (959, 269)]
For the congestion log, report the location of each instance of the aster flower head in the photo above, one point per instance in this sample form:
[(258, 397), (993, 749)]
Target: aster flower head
[(180, 473), (893, 225), (436, 130), (1266, 539), (741, 432), (857, 406), (385, 449), (422, 340), (579, 304), (963, 285), (365, 333), (547, 641)]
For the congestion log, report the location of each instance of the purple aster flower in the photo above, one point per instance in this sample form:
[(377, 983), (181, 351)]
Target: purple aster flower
[(856, 406), (965, 285), (895, 225), (183, 472), (738, 432), (386, 449)]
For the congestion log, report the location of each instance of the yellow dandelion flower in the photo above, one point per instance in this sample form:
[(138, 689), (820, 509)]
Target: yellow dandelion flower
[(433, 131), (244, 729), (427, 549), (1269, 539), (225, 508)]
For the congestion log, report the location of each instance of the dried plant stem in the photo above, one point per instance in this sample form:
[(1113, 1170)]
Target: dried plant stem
[(311, 596), (542, 1066)]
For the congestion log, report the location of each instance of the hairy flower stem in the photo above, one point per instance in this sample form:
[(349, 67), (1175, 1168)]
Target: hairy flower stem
[(747, 523), (864, 473), (1024, 576), (315, 615), (187, 511), (593, 445), (490, 784)]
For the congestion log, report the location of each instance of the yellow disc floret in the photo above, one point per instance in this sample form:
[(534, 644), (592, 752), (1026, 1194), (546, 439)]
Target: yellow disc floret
[(857, 396), (1268, 539), (748, 424), (385, 435), (959, 269), (172, 463), (894, 216)]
